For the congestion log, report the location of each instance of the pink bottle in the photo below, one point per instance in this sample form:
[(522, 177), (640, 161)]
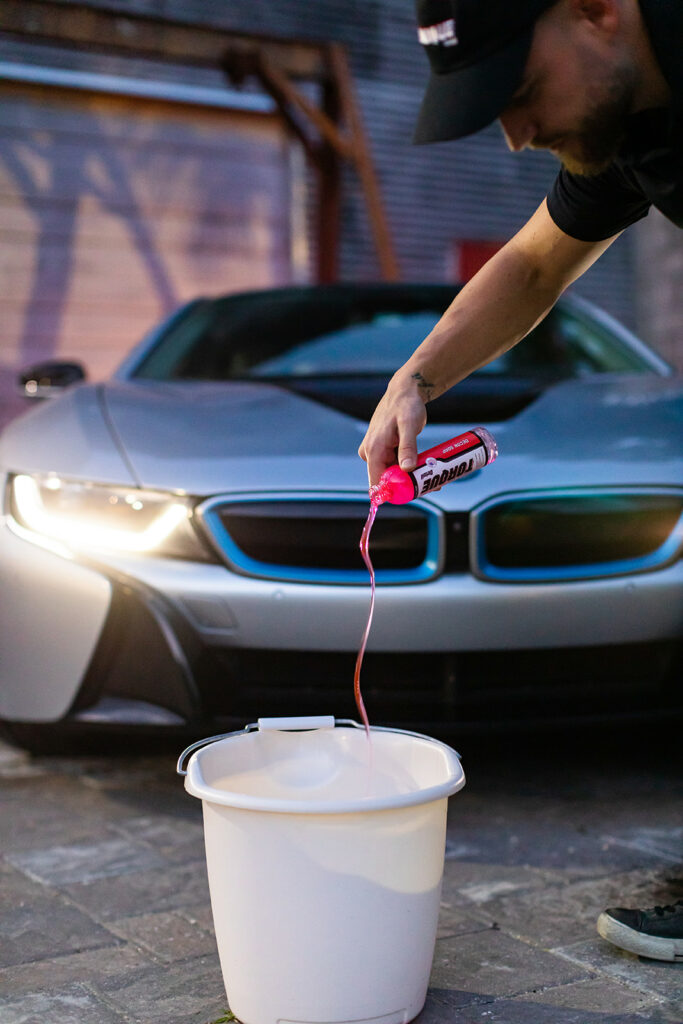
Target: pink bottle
[(437, 466)]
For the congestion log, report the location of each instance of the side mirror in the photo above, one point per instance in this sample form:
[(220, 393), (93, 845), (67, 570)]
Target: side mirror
[(45, 380)]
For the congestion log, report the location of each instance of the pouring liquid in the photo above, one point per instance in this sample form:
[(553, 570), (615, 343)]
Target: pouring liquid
[(451, 460), (364, 550)]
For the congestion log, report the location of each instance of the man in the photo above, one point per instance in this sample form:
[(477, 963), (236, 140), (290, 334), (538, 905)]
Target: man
[(600, 84)]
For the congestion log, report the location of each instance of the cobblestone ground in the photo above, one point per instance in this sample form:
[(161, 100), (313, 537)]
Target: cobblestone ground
[(104, 906)]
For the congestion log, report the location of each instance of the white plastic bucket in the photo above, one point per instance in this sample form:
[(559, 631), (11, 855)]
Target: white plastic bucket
[(325, 857)]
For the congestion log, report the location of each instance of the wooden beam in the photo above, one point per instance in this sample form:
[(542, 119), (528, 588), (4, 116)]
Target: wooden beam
[(328, 213), (283, 90), (111, 30), (339, 126), (362, 159), (329, 131)]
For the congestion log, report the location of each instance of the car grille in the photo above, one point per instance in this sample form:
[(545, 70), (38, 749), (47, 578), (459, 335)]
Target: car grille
[(556, 536), (534, 537), (317, 540), (427, 691)]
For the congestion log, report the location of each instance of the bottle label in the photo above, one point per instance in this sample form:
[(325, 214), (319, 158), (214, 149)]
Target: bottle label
[(448, 462)]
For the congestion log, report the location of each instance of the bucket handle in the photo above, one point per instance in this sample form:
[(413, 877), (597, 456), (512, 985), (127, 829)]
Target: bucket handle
[(265, 725), (204, 743), (287, 725)]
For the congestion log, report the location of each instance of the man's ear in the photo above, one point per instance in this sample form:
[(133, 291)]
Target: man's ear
[(602, 15)]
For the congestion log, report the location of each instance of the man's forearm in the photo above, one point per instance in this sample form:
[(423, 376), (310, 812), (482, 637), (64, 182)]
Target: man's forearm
[(494, 311), (499, 306)]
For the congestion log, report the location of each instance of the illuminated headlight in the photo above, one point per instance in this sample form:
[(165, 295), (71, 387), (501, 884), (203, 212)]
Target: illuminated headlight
[(88, 516)]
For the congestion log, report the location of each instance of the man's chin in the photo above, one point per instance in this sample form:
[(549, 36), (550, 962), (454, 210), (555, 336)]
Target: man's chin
[(581, 160), (583, 167)]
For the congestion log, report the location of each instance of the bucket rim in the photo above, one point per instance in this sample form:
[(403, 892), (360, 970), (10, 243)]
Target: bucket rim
[(196, 785)]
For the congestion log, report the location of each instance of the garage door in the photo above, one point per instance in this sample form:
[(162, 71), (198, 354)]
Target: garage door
[(113, 210)]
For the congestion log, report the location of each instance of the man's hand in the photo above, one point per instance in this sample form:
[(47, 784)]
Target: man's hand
[(392, 434)]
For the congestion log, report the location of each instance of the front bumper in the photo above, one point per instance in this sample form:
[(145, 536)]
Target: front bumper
[(205, 643)]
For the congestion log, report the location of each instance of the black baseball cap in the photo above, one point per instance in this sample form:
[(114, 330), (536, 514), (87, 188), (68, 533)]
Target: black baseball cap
[(477, 50)]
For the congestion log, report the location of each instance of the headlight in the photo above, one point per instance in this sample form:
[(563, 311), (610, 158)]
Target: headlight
[(93, 516)]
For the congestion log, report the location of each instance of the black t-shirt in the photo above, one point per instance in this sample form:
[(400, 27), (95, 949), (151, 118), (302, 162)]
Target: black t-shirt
[(649, 168)]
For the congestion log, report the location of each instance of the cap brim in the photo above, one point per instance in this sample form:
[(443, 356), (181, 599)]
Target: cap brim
[(466, 100)]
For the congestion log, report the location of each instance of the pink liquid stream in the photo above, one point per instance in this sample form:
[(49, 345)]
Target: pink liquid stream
[(376, 499)]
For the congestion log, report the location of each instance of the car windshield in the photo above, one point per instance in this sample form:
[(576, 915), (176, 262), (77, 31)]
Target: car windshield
[(341, 331)]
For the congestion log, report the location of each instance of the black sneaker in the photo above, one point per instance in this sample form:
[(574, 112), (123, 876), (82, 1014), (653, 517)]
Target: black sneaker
[(656, 933)]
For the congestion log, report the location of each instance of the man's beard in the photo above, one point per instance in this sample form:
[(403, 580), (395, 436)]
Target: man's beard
[(593, 147)]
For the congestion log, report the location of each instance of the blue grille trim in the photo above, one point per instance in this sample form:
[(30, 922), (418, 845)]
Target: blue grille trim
[(431, 566), (664, 555)]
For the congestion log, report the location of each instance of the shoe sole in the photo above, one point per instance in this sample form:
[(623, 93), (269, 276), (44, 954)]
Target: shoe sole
[(651, 946)]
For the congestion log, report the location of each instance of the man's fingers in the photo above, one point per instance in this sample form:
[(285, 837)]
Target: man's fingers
[(407, 453), (392, 437)]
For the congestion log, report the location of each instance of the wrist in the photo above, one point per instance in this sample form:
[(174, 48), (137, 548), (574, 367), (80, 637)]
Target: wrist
[(415, 382)]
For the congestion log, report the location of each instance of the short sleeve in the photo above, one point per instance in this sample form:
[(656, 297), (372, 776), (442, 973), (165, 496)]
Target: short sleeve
[(592, 208)]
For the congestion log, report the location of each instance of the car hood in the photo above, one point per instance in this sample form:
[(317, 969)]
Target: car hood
[(208, 438), (243, 438)]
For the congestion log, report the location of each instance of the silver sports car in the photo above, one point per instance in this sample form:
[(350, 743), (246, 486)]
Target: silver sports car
[(179, 546)]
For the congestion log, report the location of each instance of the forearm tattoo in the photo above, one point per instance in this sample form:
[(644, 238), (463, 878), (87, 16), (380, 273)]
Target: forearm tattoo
[(426, 389)]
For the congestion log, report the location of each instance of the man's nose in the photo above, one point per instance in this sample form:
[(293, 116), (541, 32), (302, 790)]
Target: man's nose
[(518, 128)]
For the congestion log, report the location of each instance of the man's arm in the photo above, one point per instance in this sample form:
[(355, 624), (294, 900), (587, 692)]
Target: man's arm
[(495, 310)]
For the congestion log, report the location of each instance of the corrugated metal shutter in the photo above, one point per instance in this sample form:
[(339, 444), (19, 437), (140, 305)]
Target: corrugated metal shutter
[(113, 210), (470, 189), (435, 195)]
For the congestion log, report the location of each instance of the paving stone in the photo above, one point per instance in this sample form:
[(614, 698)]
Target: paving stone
[(151, 787), (558, 915), (595, 994), (50, 926), (155, 995), (143, 892), (16, 887), (40, 816), (124, 773), (663, 843), (199, 915), (177, 841), (72, 1005), (665, 1013), (168, 936), (526, 840), (55, 831), (85, 862), (457, 921), (200, 1017), (440, 1008), (125, 787), (56, 972), (480, 883), (658, 977), (17, 764), (498, 965), (62, 808), (588, 814), (537, 837), (442, 1002)]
